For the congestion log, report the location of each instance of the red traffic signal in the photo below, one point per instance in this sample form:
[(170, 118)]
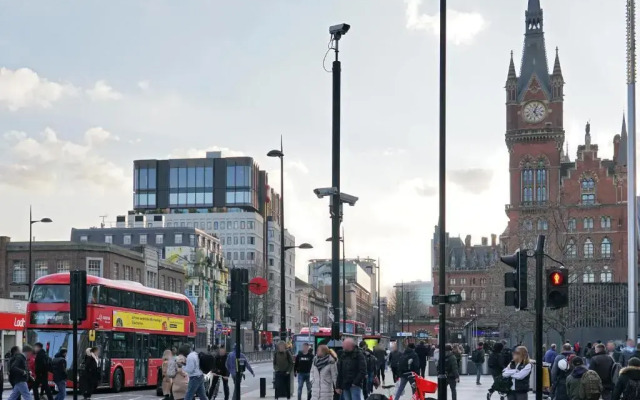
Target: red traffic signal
[(556, 278), (557, 288)]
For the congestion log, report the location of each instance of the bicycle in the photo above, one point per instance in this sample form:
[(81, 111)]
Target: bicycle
[(419, 386)]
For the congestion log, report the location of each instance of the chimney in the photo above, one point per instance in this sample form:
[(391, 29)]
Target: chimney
[(139, 221), (485, 241), (493, 240), (467, 241), (121, 221)]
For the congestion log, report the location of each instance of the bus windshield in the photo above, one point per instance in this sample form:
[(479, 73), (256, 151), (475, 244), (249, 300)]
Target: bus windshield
[(53, 341), (50, 294)]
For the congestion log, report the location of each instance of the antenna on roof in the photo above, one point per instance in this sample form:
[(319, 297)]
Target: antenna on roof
[(102, 225)]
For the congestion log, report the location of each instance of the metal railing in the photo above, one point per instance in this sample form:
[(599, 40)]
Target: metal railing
[(259, 356)]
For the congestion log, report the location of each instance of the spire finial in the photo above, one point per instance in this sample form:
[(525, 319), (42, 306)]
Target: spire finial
[(512, 68), (587, 136)]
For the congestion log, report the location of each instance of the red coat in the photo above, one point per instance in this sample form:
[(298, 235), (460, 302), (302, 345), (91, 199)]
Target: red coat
[(31, 364)]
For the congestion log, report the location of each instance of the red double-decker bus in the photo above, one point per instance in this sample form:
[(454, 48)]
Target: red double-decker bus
[(131, 324)]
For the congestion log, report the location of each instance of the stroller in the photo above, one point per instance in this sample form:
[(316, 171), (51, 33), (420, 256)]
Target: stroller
[(502, 386), (419, 386)]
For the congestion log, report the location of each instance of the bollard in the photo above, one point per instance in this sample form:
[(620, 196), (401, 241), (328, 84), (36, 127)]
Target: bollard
[(263, 388)]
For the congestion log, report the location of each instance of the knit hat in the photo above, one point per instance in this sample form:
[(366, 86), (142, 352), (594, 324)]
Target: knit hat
[(577, 361)]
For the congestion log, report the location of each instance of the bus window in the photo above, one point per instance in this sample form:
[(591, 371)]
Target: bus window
[(92, 295), (50, 294), (104, 295), (126, 299), (113, 297), (142, 301)]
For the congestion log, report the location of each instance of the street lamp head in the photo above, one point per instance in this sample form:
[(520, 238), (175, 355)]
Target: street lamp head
[(46, 220), (331, 239), (275, 153), (305, 246)]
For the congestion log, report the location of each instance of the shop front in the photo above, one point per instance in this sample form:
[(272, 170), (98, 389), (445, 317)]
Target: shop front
[(12, 321)]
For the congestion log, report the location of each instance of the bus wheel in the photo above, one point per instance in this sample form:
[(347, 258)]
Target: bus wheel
[(118, 380)]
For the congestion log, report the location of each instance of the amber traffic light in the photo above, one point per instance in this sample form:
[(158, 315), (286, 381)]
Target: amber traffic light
[(557, 288)]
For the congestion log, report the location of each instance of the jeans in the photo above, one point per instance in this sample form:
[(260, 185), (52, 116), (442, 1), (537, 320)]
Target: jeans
[(452, 384), (62, 389), (20, 390), (401, 386), (353, 393), (304, 377), (196, 387), (478, 371)]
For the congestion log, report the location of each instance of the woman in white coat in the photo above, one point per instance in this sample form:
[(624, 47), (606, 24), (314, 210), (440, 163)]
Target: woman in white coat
[(324, 373)]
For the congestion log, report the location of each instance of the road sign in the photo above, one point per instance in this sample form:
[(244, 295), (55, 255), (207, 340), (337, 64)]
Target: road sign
[(219, 326), (258, 285), (405, 334), (314, 319)]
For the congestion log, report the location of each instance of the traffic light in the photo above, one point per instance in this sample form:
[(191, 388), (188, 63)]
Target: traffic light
[(239, 298), (557, 288), (78, 293), (516, 280)]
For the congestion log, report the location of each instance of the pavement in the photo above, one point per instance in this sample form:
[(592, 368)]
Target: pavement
[(467, 389)]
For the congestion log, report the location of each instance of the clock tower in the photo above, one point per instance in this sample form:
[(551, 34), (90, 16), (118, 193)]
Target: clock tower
[(534, 105)]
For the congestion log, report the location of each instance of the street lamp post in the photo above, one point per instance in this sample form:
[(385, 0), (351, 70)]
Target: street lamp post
[(401, 286), (344, 283), (378, 295), (283, 298), (31, 222), (283, 320)]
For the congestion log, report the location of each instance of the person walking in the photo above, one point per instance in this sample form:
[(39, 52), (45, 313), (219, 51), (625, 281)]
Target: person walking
[(324, 372), (381, 364), (282, 366), (603, 364), (394, 357), (451, 370), (180, 382), (42, 363), (372, 363), (221, 373), (196, 377), (167, 358), (519, 370), (19, 373), (302, 369), (628, 352), (352, 371), (59, 371), (583, 384), (550, 355), (423, 353), (477, 357), (496, 365), (409, 363), (233, 364), (628, 385), (90, 376)]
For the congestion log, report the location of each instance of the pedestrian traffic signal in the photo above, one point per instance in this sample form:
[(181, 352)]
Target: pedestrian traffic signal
[(239, 298), (516, 280), (557, 288)]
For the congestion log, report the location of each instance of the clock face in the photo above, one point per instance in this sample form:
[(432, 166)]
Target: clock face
[(534, 112)]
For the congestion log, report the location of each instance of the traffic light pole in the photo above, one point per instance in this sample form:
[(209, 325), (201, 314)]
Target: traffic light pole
[(539, 255)]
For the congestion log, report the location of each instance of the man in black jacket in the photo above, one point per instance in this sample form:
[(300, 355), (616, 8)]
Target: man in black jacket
[(602, 364), (43, 363), (302, 369), (423, 352), (352, 371), (409, 363), (59, 370), (221, 373), (394, 356), (19, 374)]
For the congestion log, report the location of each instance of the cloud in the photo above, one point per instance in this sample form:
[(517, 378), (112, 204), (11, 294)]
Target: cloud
[(101, 91), (199, 153), (144, 85), (473, 180), (391, 151), (24, 88), (462, 27), (50, 164), (298, 166), (417, 186)]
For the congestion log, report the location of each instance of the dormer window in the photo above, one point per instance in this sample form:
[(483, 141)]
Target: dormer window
[(588, 191)]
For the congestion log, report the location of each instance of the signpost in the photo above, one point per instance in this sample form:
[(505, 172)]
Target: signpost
[(315, 320)]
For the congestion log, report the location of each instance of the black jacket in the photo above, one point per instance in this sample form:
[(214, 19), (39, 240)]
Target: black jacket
[(42, 364), (451, 366), (59, 368), (602, 363), (372, 361), (496, 364), (394, 357), (381, 355), (352, 369), (626, 374), (18, 371), (423, 352), (409, 362), (303, 362), (220, 365)]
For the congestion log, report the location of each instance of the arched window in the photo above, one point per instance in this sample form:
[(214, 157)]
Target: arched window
[(588, 248), (463, 294), (541, 183), (543, 225), (588, 276), (588, 223), (483, 295), (606, 275), (527, 185), (588, 191), (452, 292), (572, 226), (605, 248), (452, 311), (605, 222), (474, 295), (527, 224), (572, 250), (463, 313)]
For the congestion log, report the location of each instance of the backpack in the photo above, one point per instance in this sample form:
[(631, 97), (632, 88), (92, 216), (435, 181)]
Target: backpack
[(57, 365), (476, 357), (632, 390), (207, 362), (615, 372), (590, 385), (172, 368)]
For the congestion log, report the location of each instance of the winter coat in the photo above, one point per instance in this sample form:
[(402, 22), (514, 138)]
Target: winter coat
[(180, 381), (220, 366), (451, 367), (352, 369), (573, 383), (324, 382), (18, 371), (394, 357), (626, 374), (59, 368), (90, 376), (496, 363), (602, 364), (550, 356), (42, 364), (554, 368), (166, 381), (409, 362), (423, 352), (628, 355), (282, 361), (381, 356)]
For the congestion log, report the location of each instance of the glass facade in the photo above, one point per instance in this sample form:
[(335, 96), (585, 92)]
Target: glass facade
[(144, 185), (238, 184), (191, 186)]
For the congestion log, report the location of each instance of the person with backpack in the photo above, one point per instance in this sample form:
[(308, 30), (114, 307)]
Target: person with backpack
[(42, 367), (59, 371), (451, 370), (583, 384), (628, 385), (408, 363), (519, 371), (605, 367), (193, 370), (477, 357)]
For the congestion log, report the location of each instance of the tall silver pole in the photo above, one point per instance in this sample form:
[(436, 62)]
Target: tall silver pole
[(632, 213)]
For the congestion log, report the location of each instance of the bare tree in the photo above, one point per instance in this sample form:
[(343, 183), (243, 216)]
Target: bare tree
[(405, 306)]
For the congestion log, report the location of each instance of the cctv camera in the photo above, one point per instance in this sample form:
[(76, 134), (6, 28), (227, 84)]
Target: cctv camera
[(349, 199), (324, 192), (339, 30)]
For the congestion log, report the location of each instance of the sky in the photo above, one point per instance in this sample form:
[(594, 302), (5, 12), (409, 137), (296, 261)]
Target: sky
[(87, 87)]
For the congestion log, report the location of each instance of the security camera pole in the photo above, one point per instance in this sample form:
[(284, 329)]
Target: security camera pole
[(336, 33)]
